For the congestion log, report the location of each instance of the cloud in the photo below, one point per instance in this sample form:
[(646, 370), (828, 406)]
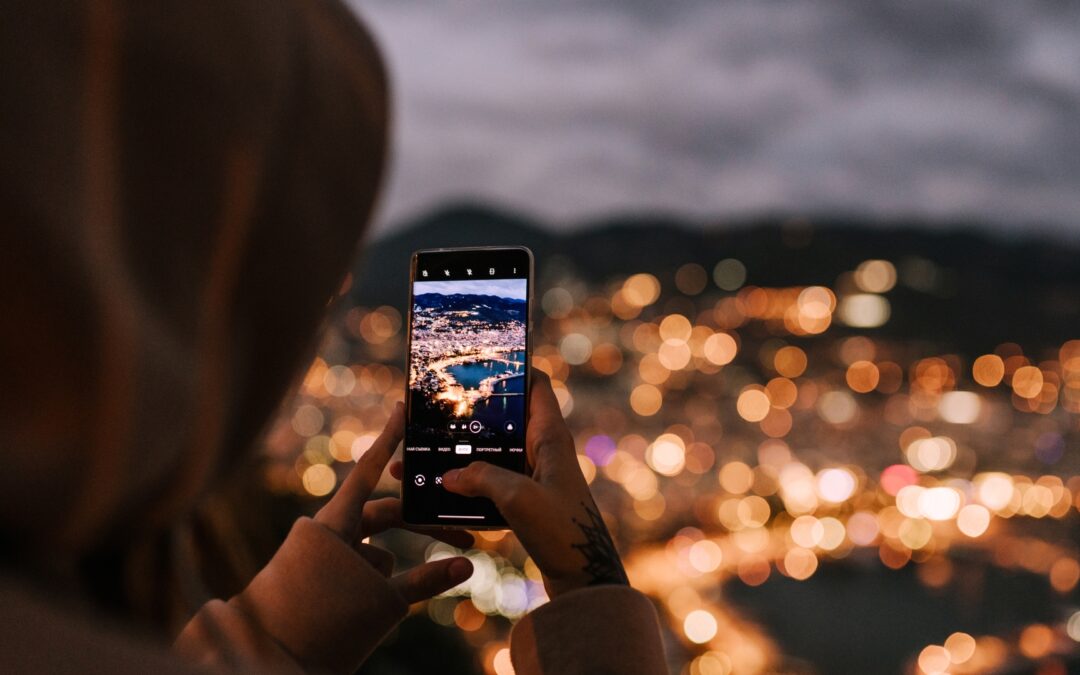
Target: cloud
[(574, 109)]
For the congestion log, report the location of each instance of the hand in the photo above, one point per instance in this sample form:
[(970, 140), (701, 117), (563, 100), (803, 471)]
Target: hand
[(352, 517), (552, 512)]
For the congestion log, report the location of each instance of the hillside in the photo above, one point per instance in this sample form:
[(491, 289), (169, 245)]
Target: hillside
[(962, 289)]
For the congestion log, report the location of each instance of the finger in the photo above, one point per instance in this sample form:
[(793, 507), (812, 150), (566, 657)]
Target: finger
[(424, 581), (508, 489), (381, 515), (543, 524), (342, 513), (547, 435), (543, 404), (397, 469), (380, 558), (372, 462)]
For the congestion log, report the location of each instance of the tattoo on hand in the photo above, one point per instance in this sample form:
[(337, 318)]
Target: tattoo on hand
[(602, 561)]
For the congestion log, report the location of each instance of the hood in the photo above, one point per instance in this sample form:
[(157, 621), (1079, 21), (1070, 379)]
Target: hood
[(182, 192)]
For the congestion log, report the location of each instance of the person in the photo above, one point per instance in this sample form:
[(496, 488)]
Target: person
[(183, 189)]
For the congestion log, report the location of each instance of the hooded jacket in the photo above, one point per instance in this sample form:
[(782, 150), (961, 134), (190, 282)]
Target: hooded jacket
[(182, 187)]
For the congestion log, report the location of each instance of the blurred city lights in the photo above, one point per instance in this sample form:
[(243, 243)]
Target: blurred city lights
[(700, 626), (740, 433), (864, 310)]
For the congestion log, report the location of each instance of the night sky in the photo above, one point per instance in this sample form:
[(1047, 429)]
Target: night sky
[(572, 110)]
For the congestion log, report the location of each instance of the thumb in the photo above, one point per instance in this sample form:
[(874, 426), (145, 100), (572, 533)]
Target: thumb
[(429, 579), (502, 486)]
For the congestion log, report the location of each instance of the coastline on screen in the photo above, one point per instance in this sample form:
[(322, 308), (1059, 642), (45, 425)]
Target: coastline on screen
[(468, 352)]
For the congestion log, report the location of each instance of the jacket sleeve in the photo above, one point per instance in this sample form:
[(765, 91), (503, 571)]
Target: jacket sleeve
[(318, 605), (596, 630)]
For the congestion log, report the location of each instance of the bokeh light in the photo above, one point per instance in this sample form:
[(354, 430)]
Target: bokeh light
[(700, 626), (757, 435)]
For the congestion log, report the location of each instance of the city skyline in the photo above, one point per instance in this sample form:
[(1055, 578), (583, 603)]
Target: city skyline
[(466, 330)]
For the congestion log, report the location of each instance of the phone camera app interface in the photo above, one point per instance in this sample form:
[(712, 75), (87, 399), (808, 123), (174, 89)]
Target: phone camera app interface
[(467, 374)]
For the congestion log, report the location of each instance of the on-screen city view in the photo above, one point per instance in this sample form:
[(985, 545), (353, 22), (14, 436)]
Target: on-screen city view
[(468, 352)]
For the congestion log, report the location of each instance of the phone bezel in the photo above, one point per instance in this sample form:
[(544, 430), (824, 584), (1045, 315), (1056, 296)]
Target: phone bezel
[(529, 292)]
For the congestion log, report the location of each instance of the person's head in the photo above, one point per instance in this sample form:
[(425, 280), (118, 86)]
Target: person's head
[(182, 197)]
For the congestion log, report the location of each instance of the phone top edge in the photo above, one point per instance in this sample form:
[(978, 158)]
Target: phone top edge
[(466, 249), (458, 249)]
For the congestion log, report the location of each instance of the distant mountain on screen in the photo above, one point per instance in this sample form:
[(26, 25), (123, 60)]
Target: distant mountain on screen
[(977, 290), (490, 308)]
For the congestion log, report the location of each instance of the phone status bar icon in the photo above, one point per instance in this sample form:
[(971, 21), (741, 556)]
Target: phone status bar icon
[(470, 272)]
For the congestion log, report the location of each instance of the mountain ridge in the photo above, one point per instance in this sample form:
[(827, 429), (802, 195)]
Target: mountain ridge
[(491, 308), (987, 290)]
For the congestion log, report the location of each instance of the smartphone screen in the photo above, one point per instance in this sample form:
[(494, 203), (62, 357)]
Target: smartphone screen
[(468, 377)]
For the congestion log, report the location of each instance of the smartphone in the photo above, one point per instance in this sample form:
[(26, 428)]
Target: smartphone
[(468, 387)]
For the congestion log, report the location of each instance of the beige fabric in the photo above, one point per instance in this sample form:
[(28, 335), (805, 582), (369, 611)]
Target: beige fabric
[(319, 599), (318, 607), (327, 607), (599, 630)]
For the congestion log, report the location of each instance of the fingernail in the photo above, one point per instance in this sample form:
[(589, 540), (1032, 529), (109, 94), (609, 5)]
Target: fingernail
[(460, 569), (451, 475)]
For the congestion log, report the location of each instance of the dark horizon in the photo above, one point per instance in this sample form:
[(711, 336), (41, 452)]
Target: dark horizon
[(1031, 232)]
